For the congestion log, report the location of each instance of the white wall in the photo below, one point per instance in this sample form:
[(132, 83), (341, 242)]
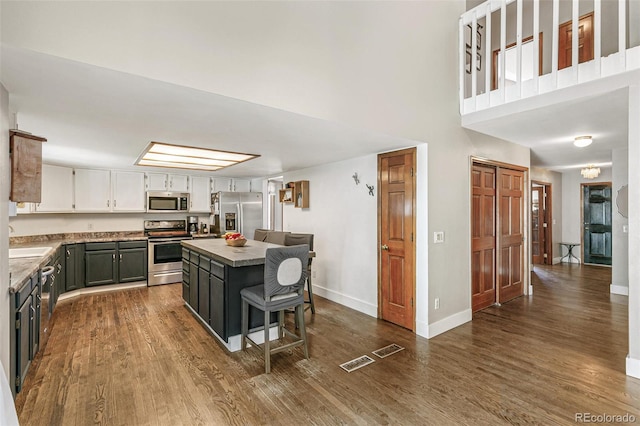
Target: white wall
[(555, 179), (620, 237), (4, 230), (633, 359), (571, 207), (343, 218)]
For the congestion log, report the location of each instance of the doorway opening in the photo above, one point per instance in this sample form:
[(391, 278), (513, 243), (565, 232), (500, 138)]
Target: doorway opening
[(541, 221), (274, 207)]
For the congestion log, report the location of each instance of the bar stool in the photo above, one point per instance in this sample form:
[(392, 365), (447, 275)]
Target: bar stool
[(283, 288), (295, 239)]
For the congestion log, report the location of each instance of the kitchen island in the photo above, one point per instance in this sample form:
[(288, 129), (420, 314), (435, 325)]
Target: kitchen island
[(213, 274)]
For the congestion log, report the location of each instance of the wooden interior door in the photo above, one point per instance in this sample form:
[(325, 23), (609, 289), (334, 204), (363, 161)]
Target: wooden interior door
[(596, 215), (585, 41), (397, 226), (483, 237), (537, 225), (511, 234)]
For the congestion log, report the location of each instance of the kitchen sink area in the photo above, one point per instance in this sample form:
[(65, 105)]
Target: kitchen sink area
[(22, 252)]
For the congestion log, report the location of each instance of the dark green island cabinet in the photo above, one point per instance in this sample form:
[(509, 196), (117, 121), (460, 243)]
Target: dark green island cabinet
[(213, 275), (115, 262)]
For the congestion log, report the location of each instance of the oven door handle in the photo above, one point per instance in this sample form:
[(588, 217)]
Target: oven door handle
[(167, 240)]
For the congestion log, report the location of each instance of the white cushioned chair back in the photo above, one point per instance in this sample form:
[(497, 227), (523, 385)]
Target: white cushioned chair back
[(283, 269)]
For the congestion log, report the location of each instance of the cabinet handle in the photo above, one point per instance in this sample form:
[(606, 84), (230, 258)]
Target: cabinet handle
[(33, 311), (113, 257), (114, 203), (68, 254), (59, 267), (120, 258), (39, 301), (107, 203)]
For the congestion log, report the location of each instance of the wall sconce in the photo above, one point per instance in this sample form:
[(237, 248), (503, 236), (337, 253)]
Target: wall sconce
[(582, 141), (590, 172)]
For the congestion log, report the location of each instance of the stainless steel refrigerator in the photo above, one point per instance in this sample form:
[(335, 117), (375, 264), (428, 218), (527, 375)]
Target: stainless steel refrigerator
[(237, 212)]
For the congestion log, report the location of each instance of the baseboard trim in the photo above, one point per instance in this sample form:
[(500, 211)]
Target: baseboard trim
[(448, 323), (633, 367), (100, 289), (619, 289), (348, 301)]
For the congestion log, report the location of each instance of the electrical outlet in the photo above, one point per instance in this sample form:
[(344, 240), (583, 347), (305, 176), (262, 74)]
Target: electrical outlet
[(438, 237), (90, 226), (437, 303)]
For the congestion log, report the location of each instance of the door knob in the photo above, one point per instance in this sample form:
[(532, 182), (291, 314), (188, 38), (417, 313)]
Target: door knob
[(385, 247)]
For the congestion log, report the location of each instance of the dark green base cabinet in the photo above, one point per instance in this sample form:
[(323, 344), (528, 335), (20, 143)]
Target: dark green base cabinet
[(74, 266), (115, 262), (25, 330), (212, 290)]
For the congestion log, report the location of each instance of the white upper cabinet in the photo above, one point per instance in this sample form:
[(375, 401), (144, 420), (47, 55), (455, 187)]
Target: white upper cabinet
[(128, 191), (200, 194), (179, 183), (167, 182), (228, 184), (241, 185), (221, 184), (57, 190), (92, 190)]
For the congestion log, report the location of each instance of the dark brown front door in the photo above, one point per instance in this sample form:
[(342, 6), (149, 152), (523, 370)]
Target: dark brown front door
[(397, 227), (585, 41), (483, 237), (537, 225), (511, 234)]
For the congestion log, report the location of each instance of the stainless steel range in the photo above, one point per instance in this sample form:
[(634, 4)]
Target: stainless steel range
[(165, 251)]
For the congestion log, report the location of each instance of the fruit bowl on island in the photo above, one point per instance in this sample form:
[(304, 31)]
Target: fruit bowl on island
[(235, 239)]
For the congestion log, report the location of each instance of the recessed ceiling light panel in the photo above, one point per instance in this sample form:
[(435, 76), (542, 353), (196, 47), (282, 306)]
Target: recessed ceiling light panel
[(159, 154)]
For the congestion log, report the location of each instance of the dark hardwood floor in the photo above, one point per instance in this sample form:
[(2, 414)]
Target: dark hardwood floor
[(138, 357)]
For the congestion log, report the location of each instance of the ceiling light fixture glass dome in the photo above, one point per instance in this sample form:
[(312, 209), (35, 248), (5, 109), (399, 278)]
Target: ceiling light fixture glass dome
[(582, 141)]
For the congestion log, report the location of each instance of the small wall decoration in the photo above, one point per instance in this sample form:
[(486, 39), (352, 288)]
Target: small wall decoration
[(370, 188), (355, 178)]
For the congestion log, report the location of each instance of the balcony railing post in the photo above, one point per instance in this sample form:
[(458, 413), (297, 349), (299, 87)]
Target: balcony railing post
[(622, 31), (503, 44), (575, 20), (597, 35), (536, 46), (488, 69), (554, 42), (461, 59), (474, 57), (519, 47)]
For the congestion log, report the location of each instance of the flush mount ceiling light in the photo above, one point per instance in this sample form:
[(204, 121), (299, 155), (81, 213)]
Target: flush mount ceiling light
[(582, 141), (159, 154), (590, 172)]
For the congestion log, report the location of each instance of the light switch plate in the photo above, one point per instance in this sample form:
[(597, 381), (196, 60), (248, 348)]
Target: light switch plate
[(438, 237)]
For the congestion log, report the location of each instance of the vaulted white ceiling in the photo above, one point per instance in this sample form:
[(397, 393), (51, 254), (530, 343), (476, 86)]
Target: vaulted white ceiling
[(94, 117)]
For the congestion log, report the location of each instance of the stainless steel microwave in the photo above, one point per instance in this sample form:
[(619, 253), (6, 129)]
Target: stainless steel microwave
[(161, 201)]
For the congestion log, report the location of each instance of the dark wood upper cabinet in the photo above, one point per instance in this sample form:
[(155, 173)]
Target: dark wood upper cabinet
[(26, 167)]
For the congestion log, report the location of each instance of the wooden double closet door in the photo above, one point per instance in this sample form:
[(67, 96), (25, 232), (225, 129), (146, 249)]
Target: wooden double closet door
[(497, 234)]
